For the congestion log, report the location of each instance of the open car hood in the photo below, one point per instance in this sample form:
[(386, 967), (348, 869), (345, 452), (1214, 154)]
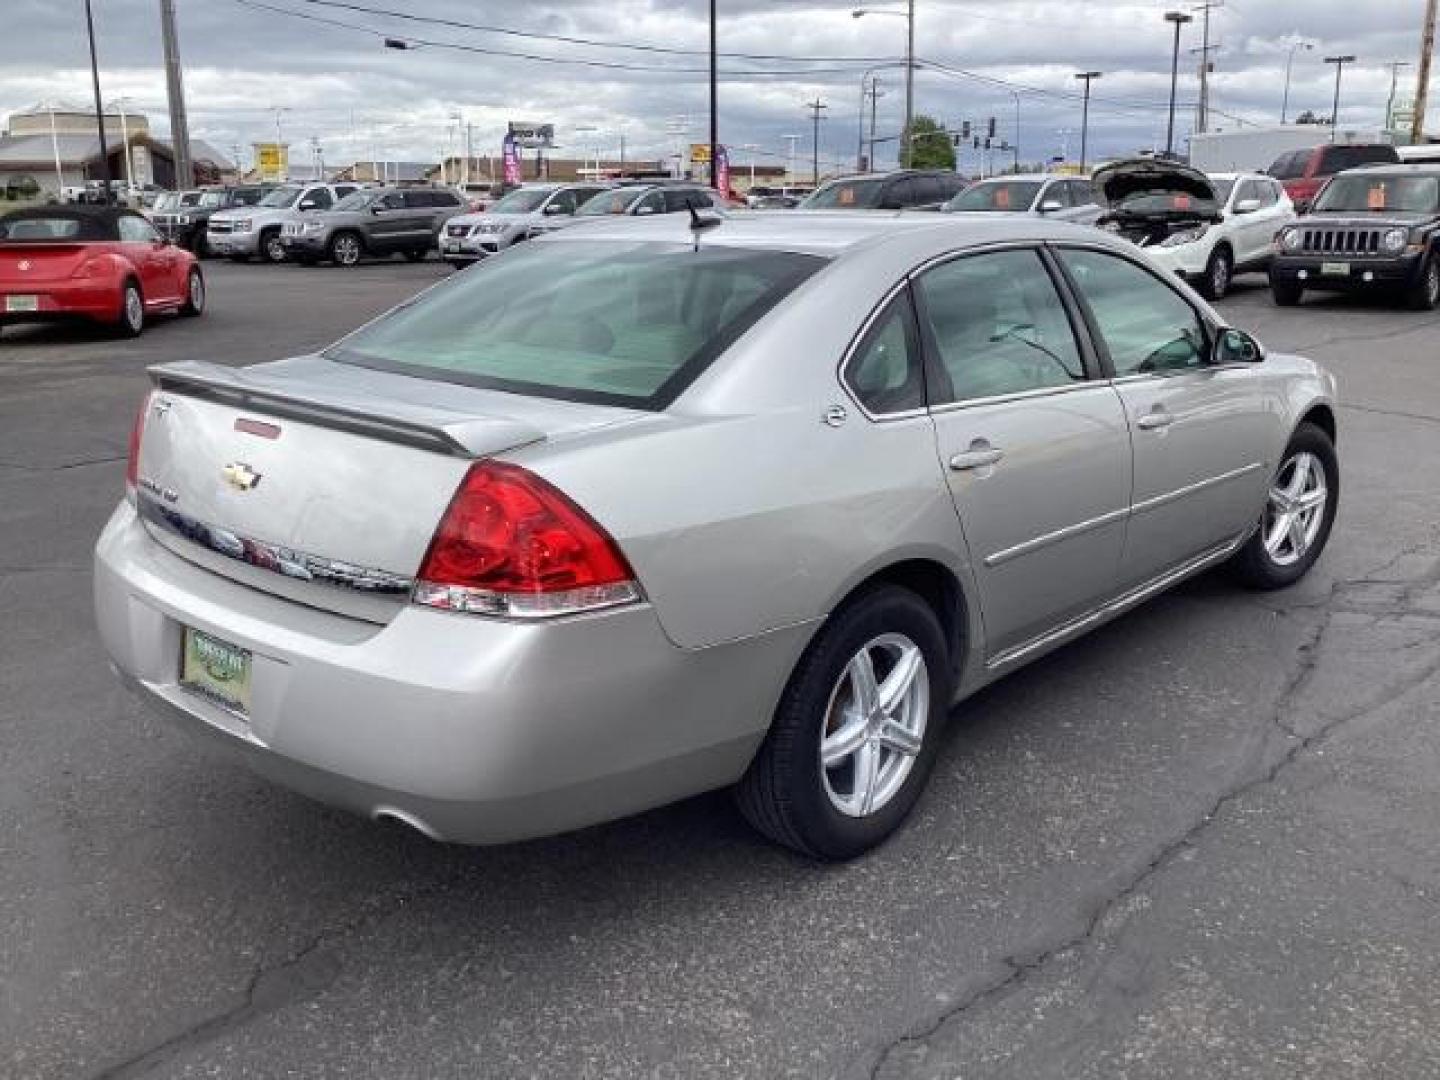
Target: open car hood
[(1147, 176)]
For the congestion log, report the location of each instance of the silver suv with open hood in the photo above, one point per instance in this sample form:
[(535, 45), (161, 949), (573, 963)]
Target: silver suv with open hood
[(1149, 199)]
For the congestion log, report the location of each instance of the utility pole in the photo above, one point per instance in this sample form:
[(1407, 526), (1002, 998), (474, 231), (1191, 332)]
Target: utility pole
[(1339, 62), (175, 95), (792, 140), (875, 95), (1422, 88), (714, 104), (1087, 77), (906, 139), (1202, 107), (815, 108), (99, 109)]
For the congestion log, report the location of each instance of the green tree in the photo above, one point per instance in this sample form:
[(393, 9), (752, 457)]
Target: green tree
[(930, 147)]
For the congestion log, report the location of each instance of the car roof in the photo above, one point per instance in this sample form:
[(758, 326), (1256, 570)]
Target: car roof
[(830, 233), (99, 222), (1417, 168), (1034, 177)]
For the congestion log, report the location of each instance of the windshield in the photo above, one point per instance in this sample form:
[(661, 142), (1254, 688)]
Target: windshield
[(246, 196), (167, 200), (521, 201), (1000, 195), (1222, 188), (284, 196), (1163, 202), (847, 195), (210, 200), (356, 200), (1381, 194), (620, 324), (611, 202)]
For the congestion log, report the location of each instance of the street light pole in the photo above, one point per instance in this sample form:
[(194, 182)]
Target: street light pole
[(1289, 64), (99, 109), (714, 103), (909, 16), (1016, 95), (1179, 18), (1395, 66), (815, 108), (1087, 77), (1339, 62)]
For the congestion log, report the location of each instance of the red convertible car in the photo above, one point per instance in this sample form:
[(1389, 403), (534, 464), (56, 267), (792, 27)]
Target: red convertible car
[(99, 263)]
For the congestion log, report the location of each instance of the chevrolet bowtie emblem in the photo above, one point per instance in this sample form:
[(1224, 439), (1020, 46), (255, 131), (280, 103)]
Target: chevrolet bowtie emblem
[(240, 476)]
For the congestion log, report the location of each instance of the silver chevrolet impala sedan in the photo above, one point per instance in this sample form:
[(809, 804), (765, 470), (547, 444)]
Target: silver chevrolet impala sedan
[(645, 509)]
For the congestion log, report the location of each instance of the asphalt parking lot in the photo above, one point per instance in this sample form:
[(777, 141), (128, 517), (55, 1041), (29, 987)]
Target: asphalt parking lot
[(1198, 843)]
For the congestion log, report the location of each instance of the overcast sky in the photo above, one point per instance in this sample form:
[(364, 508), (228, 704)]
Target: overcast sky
[(341, 86)]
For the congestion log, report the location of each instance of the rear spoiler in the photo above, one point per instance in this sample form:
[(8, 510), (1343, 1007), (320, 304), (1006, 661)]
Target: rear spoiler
[(424, 427)]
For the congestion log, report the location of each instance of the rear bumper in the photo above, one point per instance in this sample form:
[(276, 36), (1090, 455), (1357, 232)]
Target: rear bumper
[(1359, 273), (473, 730), (59, 300)]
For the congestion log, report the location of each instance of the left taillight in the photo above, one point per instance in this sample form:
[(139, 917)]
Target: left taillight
[(132, 460)]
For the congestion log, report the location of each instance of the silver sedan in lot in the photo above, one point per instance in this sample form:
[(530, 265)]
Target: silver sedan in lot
[(635, 512)]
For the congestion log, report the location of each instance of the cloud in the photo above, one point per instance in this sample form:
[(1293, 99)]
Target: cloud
[(339, 85)]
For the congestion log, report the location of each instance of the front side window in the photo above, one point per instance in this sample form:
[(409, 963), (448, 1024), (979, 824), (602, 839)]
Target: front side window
[(1148, 328), (613, 323), (562, 203), (999, 327), (864, 194), (610, 202), (654, 203), (679, 200), (884, 373), (521, 201), (136, 230), (320, 197)]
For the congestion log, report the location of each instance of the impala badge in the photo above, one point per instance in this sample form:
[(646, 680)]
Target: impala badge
[(240, 476)]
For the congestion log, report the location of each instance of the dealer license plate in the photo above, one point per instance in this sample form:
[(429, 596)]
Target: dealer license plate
[(453, 245), (22, 303), (216, 670), (1335, 269)]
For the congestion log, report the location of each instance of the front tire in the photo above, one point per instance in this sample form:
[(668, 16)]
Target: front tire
[(272, 248), (1299, 513), (416, 255), (132, 311), (1219, 272), (1424, 295), (345, 249), (857, 729)]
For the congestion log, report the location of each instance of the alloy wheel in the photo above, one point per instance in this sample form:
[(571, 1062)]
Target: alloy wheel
[(275, 249), (1295, 509), (874, 727), (346, 250), (1219, 276), (134, 309), (197, 292)]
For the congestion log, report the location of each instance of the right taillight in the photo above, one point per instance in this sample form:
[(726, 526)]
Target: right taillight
[(132, 459), (513, 545)]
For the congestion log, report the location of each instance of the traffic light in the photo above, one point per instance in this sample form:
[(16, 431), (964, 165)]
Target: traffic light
[(977, 142), (990, 127), (965, 130)]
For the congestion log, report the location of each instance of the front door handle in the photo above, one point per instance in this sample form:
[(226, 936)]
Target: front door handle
[(1155, 419), (980, 455)]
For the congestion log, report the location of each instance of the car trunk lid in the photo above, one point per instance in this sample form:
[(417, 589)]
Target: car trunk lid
[(318, 481), (24, 263)]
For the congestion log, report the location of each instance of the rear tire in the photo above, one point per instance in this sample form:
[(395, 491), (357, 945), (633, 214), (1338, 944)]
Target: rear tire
[(1219, 272), (194, 294), (272, 249), (1424, 295), (1286, 294), (1298, 516), (843, 808), (132, 311), (416, 255)]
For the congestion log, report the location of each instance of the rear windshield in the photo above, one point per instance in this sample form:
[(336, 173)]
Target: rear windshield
[(1000, 196), (1290, 166), (1339, 158), (610, 202), (522, 201), (847, 195), (1359, 193), (610, 323)]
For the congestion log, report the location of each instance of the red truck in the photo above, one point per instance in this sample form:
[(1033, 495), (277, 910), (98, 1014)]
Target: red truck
[(1304, 172)]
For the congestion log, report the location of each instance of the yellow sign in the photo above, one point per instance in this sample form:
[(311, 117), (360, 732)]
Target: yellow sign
[(272, 160), (700, 153)]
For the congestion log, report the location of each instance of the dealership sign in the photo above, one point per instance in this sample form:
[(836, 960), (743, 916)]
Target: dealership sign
[(531, 136), (272, 160)]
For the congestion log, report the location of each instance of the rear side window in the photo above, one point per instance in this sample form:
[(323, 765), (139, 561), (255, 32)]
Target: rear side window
[(1339, 158), (320, 197), (618, 324), (884, 373), (1290, 166)]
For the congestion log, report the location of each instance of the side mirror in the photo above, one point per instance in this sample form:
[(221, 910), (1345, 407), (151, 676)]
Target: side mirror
[(1237, 347), (1049, 206), (307, 204), (551, 209), (1247, 206), (644, 210)]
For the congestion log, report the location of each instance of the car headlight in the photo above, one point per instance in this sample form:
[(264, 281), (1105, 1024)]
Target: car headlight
[(313, 226), (182, 219), (1111, 226), (1394, 240), (1291, 239), (241, 225), (1188, 236)]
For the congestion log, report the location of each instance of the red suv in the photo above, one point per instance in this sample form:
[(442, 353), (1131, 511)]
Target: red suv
[(1304, 172)]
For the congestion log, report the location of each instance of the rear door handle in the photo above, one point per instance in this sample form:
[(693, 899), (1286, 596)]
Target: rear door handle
[(1155, 419), (980, 455)]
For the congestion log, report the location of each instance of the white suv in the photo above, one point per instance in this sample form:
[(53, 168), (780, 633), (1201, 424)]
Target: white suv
[(245, 232)]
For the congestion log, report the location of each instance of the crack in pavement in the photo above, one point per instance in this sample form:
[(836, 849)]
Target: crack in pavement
[(84, 463), (1020, 964), (1424, 418)]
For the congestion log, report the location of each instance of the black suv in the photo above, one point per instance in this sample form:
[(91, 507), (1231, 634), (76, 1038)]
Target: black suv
[(1370, 229), (904, 189), (185, 222)]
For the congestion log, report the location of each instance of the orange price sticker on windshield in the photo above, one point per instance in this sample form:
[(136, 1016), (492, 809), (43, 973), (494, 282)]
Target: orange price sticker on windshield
[(1377, 198), (1182, 202), (847, 197), (1002, 198)]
